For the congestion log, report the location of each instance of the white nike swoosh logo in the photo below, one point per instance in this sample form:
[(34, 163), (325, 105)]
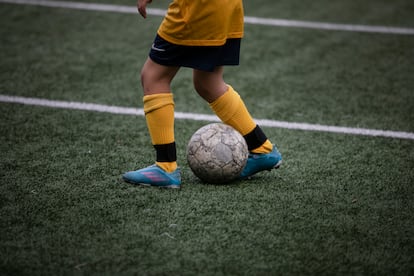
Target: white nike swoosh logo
[(157, 49)]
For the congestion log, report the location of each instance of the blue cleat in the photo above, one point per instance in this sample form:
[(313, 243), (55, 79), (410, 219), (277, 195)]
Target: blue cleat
[(154, 176), (258, 162)]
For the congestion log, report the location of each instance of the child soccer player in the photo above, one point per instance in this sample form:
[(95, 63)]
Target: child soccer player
[(204, 36)]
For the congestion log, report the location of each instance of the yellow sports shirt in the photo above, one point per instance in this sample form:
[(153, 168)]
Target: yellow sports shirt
[(202, 22)]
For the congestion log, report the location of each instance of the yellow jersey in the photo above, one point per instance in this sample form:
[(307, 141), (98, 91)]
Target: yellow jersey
[(202, 22)]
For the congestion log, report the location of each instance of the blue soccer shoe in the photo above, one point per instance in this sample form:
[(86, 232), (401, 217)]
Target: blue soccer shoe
[(258, 162), (154, 176)]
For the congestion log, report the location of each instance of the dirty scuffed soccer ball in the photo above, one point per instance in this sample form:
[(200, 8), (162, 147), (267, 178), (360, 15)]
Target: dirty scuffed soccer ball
[(217, 153)]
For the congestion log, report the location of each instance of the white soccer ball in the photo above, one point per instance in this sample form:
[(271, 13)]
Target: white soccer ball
[(217, 153)]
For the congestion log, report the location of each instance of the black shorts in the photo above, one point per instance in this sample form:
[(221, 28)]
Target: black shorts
[(204, 58)]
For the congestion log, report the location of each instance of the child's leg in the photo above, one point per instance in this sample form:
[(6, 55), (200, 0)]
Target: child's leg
[(159, 111), (156, 78), (230, 108)]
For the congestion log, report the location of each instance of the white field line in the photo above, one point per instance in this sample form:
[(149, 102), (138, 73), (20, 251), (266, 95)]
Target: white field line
[(204, 117), (248, 19)]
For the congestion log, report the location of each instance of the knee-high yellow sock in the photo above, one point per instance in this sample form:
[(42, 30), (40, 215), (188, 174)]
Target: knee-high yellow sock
[(159, 114), (231, 109)]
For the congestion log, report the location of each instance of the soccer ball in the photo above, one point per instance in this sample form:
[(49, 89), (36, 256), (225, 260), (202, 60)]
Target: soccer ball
[(217, 153)]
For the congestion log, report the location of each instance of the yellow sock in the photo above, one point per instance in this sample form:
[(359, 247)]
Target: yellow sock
[(266, 147), (167, 166), (159, 113), (231, 109)]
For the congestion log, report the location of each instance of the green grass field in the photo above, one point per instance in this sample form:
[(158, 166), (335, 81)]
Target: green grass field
[(341, 204)]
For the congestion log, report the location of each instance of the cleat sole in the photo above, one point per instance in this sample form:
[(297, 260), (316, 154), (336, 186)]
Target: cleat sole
[(145, 185)]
